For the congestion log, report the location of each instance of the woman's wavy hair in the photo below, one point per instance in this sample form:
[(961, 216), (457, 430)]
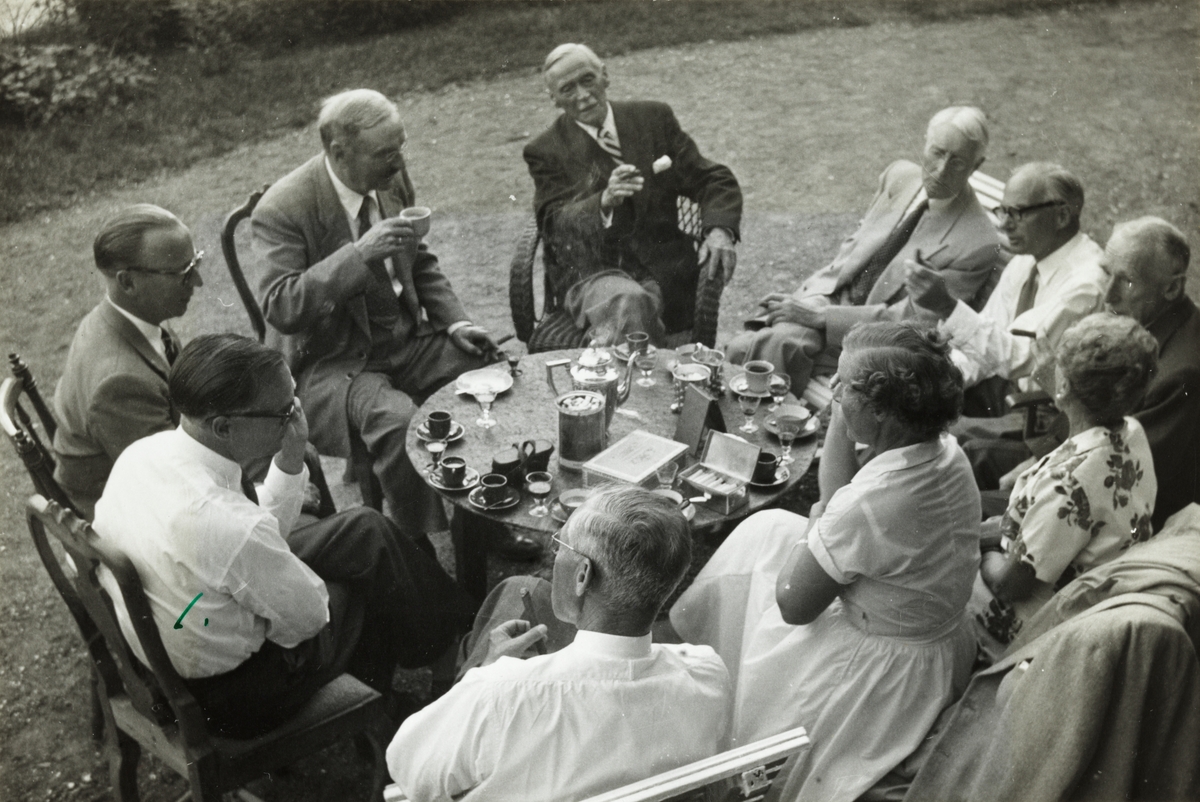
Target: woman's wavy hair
[(904, 370), (1108, 360)]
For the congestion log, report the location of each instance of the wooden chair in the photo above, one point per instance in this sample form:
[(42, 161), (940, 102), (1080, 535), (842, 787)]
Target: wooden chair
[(745, 774), (358, 469), (151, 707), (554, 329), (21, 428)]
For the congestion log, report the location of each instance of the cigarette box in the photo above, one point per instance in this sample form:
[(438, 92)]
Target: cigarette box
[(633, 459), (725, 468)]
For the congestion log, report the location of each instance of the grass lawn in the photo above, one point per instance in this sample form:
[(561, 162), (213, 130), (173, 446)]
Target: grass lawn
[(806, 120)]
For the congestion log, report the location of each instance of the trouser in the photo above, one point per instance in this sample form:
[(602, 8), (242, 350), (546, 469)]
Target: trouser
[(506, 603), (380, 404), (609, 305), (790, 347)]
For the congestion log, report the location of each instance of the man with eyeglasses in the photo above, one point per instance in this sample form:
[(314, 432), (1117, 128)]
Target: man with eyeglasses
[(606, 179), (598, 705), (927, 213), (367, 319), (237, 589), (113, 389)]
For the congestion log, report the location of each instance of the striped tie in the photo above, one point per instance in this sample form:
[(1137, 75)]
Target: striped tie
[(608, 140)]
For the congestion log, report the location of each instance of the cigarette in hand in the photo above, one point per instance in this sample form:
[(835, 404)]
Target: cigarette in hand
[(662, 164)]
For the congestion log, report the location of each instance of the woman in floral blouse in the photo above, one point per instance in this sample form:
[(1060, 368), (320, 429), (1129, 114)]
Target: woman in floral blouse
[(1088, 500)]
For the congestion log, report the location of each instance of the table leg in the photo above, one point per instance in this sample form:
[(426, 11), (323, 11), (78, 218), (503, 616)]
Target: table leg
[(469, 533)]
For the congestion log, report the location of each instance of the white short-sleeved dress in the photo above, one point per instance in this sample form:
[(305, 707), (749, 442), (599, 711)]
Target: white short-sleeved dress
[(1078, 507), (868, 677)]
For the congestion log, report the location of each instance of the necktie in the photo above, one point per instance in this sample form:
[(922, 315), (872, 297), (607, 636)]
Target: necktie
[(169, 347), (1028, 293), (608, 141), (364, 215), (860, 288)]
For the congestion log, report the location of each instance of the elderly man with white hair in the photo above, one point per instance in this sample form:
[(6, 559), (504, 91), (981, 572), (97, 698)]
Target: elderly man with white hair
[(925, 213), (368, 321), (606, 181)]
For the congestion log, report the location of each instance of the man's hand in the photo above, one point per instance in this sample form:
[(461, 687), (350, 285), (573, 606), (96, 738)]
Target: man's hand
[(290, 458), (718, 254), (808, 312), (473, 339), (513, 639), (927, 288), (386, 238), (624, 182)]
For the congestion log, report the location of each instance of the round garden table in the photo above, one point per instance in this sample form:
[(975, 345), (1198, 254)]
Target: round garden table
[(527, 412)]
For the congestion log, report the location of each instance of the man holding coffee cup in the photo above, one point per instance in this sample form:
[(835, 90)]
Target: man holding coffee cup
[(368, 322)]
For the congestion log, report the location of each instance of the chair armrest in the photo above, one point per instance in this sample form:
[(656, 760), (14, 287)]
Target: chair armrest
[(520, 282), (708, 306), (1026, 400)]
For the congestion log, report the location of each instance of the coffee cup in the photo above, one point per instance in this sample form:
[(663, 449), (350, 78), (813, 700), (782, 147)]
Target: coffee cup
[(510, 464), (438, 425), (495, 488), (758, 376), (764, 470), (536, 454), (419, 217), (454, 471)]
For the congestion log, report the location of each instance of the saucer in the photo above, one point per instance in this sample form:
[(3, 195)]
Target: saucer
[(688, 509), (469, 480), (476, 381), (781, 476), (621, 352), (811, 426), (738, 385), (511, 498), (456, 432)]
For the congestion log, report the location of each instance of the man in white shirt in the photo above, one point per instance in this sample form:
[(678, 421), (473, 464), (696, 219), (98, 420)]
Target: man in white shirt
[(367, 319), (113, 389), (606, 709), (244, 613), (1054, 280)]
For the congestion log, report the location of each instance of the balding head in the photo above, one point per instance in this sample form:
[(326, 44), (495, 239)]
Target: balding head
[(344, 116), (571, 50), (577, 82), (955, 145), (1147, 259), (363, 139), (1040, 213)]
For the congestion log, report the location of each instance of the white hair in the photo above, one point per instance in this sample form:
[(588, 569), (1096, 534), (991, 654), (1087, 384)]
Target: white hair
[(344, 116), (562, 51), (968, 121)]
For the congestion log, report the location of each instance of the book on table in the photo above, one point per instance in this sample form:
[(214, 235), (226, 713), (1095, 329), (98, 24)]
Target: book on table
[(634, 459)]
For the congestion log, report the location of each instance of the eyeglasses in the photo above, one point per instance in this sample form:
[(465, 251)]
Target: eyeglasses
[(1017, 213), (557, 542), (283, 417), (184, 274)]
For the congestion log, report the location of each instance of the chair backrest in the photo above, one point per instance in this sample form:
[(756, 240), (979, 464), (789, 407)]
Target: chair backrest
[(989, 191), (157, 694), (745, 773), (21, 428), (229, 248)]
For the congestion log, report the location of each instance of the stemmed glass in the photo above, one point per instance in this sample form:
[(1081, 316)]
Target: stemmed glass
[(780, 386), (788, 426), (645, 361), (435, 448), (749, 405), (538, 484), (485, 399)]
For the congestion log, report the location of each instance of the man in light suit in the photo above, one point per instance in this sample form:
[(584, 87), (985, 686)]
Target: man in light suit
[(113, 389), (926, 213), (368, 322), (606, 179)]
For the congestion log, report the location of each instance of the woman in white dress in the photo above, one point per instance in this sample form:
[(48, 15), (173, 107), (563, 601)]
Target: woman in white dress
[(851, 623)]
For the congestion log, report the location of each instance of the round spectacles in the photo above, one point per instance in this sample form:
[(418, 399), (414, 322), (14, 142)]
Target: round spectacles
[(184, 274), (1017, 213), (556, 543), (282, 417)]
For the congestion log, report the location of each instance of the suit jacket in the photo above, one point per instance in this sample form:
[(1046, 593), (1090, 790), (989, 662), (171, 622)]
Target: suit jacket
[(972, 252), (1170, 412), (311, 288), (113, 391), (570, 171)]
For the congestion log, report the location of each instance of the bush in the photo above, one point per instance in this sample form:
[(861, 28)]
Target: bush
[(41, 83), (131, 26)]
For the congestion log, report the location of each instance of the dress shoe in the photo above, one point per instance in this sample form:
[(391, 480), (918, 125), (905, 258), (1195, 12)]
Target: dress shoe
[(513, 546)]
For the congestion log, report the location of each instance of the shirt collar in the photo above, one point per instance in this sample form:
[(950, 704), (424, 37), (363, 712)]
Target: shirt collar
[(152, 333), (603, 644), (609, 124), (1060, 258), (897, 459), (1101, 436), (351, 201), (225, 472)]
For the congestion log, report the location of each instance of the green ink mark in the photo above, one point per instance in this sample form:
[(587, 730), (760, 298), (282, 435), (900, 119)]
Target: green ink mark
[(179, 620), (206, 622)]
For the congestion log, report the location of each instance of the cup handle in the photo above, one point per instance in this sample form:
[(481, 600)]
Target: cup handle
[(526, 450)]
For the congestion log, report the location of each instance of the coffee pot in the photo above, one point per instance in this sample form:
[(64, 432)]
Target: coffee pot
[(595, 370)]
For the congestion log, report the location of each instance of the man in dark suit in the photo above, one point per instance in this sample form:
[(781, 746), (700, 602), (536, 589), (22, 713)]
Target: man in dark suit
[(113, 389), (368, 322), (1148, 261), (927, 214), (606, 179)]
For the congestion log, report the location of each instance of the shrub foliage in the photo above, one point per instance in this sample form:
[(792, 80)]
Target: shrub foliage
[(39, 83)]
